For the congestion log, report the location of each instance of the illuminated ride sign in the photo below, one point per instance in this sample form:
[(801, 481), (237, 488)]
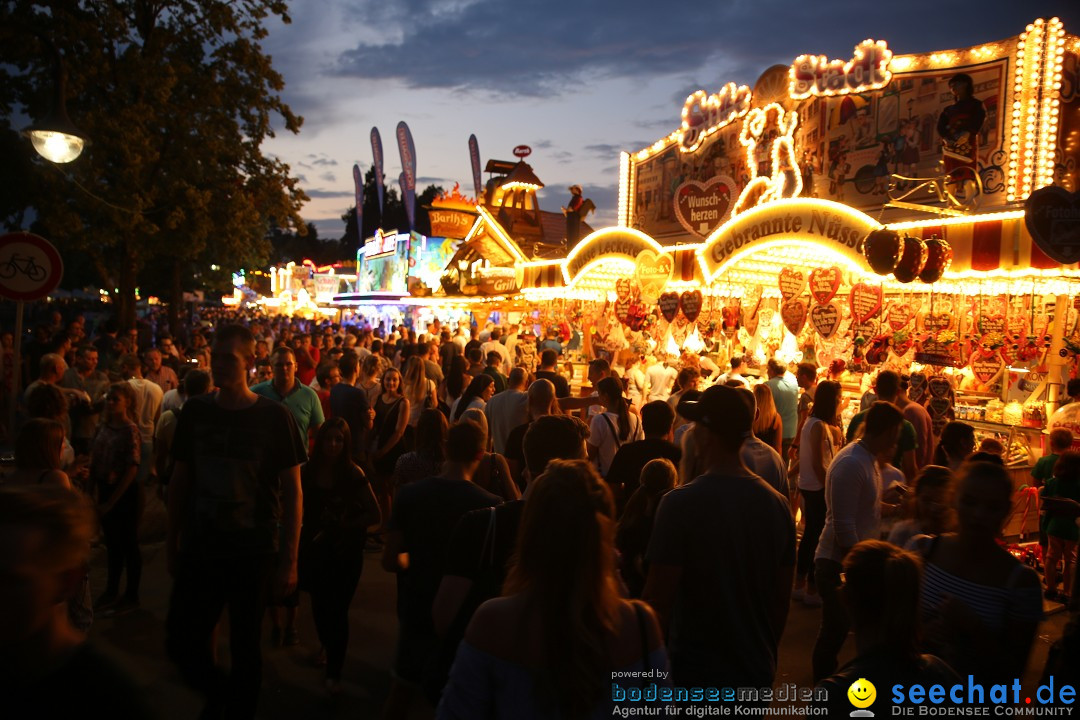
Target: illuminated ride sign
[(817, 75), (381, 244), (704, 114), (824, 223)]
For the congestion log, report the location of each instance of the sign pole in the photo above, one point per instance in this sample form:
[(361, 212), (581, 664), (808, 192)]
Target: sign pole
[(16, 372)]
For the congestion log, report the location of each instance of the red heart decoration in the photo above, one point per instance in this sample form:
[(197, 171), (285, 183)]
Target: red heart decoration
[(792, 283), (637, 315), (1051, 214), (669, 305), (826, 319), (793, 313), (986, 367), (702, 207), (690, 302), (912, 259), (938, 258), (622, 310), (824, 283), (900, 316), (865, 301)]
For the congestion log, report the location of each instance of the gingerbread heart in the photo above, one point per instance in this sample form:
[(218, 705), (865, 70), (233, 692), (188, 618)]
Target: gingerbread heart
[(899, 316), (652, 271), (939, 387), (866, 329), (792, 283), (793, 313), (917, 387), (751, 324), (622, 310), (865, 301), (622, 288), (826, 319), (690, 302), (986, 367), (936, 322), (939, 406), (991, 324), (824, 283), (669, 305)]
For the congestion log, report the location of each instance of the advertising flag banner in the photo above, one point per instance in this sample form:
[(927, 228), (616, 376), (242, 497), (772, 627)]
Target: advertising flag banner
[(408, 168), (358, 182), (376, 152), (474, 156)]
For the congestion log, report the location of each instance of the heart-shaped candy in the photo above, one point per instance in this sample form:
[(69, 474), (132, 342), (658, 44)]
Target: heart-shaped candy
[(793, 313), (865, 301), (669, 305), (826, 319), (792, 283), (690, 303), (824, 283)]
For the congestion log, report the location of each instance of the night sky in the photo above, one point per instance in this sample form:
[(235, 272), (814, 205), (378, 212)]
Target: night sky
[(576, 81)]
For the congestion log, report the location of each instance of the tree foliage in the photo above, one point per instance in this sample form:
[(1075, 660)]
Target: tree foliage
[(177, 97), (392, 216)]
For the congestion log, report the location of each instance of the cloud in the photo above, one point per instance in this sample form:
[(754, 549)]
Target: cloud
[(328, 177), (609, 150), (424, 180), (320, 194), (544, 49), (325, 161)]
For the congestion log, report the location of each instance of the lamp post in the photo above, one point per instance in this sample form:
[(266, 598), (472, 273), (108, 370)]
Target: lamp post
[(55, 137)]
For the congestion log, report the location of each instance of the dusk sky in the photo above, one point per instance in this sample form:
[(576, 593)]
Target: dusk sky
[(576, 81)]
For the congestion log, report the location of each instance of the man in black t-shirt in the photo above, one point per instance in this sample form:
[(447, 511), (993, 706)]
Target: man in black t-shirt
[(722, 558), (234, 524), (350, 403), (423, 518), (477, 560), (548, 361), (657, 421)]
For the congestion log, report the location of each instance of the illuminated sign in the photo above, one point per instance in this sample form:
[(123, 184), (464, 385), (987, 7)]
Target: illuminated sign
[(783, 178), (704, 114), (383, 244), (821, 221), (817, 75), (624, 242), (450, 223)]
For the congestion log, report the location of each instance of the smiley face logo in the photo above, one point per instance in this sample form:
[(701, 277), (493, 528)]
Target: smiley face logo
[(862, 693)]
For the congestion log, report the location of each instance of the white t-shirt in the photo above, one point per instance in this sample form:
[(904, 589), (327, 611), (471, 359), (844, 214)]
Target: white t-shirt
[(496, 346), (148, 397), (505, 411), (661, 378), (474, 403), (601, 435), (808, 479), (635, 384), (853, 502)]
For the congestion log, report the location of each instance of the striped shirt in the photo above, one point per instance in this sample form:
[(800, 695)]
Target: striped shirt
[(995, 606)]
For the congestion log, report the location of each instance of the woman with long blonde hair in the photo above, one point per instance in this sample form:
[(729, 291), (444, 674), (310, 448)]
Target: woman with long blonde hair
[(767, 425), (417, 389), (548, 648)]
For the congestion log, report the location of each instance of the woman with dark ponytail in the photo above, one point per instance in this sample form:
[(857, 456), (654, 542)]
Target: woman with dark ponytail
[(612, 428)]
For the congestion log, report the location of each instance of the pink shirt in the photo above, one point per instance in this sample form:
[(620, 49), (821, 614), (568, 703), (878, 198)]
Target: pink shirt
[(917, 415)]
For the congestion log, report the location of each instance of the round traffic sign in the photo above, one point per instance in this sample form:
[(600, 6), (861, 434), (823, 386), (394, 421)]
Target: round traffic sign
[(522, 151), (30, 267)]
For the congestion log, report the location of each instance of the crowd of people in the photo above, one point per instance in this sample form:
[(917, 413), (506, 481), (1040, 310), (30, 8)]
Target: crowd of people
[(542, 539)]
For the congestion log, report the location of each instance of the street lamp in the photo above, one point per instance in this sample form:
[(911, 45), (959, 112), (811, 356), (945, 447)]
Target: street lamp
[(55, 137)]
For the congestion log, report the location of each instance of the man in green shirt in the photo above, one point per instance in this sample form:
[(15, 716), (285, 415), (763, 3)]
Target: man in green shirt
[(285, 388)]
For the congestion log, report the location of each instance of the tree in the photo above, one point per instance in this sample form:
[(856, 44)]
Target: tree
[(177, 97), (393, 215)]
